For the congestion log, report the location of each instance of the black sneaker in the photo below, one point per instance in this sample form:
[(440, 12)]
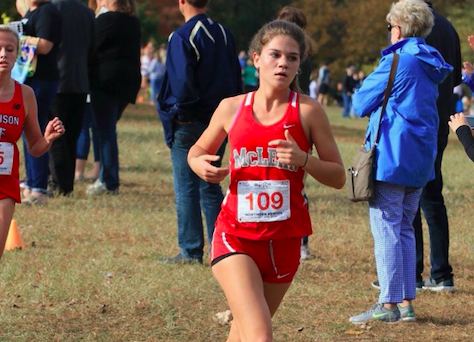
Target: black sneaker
[(419, 285), (179, 259), (438, 285)]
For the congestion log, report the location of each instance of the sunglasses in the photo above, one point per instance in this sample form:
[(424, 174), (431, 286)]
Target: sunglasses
[(390, 26)]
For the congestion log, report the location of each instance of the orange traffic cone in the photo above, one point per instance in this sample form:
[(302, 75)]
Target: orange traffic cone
[(13, 239)]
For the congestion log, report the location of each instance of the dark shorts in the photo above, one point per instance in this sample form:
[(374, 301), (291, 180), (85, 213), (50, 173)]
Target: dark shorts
[(323, 89)]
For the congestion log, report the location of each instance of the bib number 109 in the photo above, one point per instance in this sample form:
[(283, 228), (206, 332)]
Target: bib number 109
[(263, 201)]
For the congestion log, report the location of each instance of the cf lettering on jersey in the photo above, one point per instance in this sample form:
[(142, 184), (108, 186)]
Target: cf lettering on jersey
[(279, 276), (244, 158)]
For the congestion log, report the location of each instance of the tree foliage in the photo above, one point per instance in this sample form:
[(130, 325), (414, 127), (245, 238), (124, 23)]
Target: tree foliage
[(463, 20), (244, 17), (344, 31)]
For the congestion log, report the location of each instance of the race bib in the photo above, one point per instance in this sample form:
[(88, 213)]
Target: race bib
[(6, 158), (263, 201)]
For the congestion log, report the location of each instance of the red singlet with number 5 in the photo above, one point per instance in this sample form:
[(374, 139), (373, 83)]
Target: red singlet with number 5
[(12, 117)]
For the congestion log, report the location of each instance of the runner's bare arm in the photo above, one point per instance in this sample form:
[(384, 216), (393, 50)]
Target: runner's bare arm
[(37, 143), (327, 167), (203, 152)]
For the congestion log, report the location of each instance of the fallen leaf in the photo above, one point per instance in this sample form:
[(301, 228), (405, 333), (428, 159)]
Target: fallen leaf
[(223, 317), (354, 332), (103, 309)]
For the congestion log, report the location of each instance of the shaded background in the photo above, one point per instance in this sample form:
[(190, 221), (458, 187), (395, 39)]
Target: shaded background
[(344, 31)]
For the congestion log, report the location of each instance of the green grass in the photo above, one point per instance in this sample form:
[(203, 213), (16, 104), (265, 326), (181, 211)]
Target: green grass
[(89, 270)]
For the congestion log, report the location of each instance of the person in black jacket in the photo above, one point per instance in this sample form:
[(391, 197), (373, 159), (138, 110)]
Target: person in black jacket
[(116, 78), (446, 40), (461, 127), (77, 28), (348, 86), (41, 20)]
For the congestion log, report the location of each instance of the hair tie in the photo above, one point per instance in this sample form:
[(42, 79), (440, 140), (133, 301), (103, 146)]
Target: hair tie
[(306, 162)]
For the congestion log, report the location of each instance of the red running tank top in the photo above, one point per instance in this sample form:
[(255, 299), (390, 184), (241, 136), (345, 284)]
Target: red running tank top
[(12, 118), (265, 199)]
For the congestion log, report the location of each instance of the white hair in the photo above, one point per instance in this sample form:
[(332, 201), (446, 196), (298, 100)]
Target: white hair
[(414, 17)]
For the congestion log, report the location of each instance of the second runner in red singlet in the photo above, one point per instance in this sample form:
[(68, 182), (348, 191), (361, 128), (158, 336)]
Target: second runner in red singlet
[(12, 117)]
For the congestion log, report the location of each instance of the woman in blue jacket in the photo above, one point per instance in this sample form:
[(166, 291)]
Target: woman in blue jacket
[(405, 152)]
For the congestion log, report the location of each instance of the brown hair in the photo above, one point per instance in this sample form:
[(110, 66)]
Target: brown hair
[(127, 6), (198, 3), (293, 15), (279, 28)]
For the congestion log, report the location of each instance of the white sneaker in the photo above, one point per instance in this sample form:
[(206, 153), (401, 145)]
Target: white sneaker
[(99, 188), (305, 254)]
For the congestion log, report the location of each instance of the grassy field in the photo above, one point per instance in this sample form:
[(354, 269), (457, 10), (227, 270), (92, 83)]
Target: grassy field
[(89, 271)]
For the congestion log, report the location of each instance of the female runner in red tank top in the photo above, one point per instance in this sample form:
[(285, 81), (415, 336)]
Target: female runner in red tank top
[(17, 115), (256, 246)]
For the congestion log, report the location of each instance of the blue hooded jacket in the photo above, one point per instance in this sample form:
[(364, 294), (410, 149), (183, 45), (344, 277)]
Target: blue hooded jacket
[(407, 142)]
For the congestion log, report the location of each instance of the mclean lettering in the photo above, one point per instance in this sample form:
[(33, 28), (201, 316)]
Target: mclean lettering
[(246, 158)]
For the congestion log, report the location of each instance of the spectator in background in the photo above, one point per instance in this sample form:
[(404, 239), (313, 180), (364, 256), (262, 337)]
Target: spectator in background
[(22, 7), (405, 138), (445, 39), (83, 146), (41, 20), (115, 83), (75, 51), (361, 76), (250, 77), (156, 73), (313, 85), (338, 99), (463, 130), (162, 53), (323, 81), (84, 139), (458, 122), (458, 94), (468, 71), (348, 86), (243, 59), (357, 84), (202, 68), (146, 56)]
